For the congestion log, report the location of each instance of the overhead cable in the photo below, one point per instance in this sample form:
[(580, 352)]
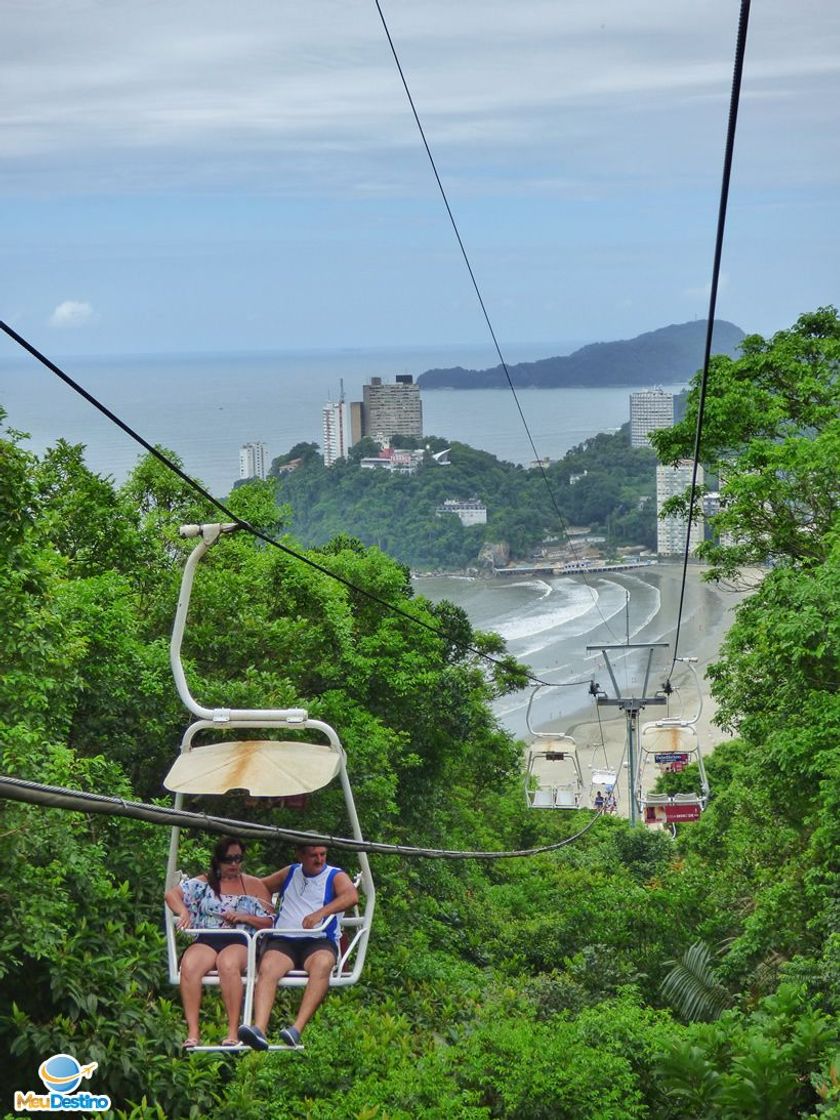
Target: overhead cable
[(483, 306), (245, 525), (58, 797), (734, 100)]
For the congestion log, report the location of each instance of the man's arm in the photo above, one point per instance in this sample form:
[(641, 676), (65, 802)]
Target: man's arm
[(346, 896), (274, 881)]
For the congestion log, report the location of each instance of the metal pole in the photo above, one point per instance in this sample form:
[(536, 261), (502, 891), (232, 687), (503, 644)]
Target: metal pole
[(631, 706), (632, 716)]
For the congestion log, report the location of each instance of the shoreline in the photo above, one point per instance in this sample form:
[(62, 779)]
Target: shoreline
[(602, 743)]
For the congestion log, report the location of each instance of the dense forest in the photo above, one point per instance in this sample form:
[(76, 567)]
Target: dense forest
[(625, 977), (604, 484), (667, 356)]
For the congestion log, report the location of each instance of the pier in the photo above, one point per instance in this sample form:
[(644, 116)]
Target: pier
[(575, 568)]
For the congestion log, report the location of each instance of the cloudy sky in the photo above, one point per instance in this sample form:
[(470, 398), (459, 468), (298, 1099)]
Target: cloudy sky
[(199, 175)]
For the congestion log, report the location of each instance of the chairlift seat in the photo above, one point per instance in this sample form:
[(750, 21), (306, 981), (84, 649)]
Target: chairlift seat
[(542, 799), (263, 767)]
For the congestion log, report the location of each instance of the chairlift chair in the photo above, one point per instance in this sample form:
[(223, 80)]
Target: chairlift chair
[(669, 746), (553, 777), (605, 783), (261, 768)]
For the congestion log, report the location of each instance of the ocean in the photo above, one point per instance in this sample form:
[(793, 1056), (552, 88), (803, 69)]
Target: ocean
[(205, 406)]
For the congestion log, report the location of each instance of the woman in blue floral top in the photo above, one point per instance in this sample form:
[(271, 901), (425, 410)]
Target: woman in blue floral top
[(231, 904)]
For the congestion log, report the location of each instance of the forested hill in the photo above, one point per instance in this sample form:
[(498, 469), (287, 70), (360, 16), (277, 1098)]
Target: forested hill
[(602, 483), (666, 356)]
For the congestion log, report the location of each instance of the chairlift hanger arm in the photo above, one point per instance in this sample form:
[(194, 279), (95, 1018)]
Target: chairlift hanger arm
[(209, 535), (691, 663)]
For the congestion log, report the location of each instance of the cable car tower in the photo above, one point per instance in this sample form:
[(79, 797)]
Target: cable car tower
[(258, 768), (631, 706)]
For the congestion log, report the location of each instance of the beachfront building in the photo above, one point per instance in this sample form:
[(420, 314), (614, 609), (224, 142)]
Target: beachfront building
[(335, 433), (253, 460), (388, 409), (711, 508), (671, 531), (649, 409), (470, 512)]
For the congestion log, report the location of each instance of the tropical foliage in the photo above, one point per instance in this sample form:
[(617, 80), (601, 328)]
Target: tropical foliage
[(575, 984)]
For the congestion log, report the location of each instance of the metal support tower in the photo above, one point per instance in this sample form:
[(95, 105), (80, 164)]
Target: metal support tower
[(631, 706)]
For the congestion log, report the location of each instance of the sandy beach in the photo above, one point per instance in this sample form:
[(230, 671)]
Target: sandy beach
[(558, 626), (707, 615)]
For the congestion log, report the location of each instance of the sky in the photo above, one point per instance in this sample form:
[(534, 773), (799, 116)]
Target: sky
[(204, 176)]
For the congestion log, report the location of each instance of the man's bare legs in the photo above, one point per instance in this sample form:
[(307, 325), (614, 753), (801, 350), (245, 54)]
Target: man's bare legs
[(318, 965), (273, 967)]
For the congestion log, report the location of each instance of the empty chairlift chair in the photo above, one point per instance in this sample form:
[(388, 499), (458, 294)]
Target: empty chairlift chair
[(553, 778), (258, 768)]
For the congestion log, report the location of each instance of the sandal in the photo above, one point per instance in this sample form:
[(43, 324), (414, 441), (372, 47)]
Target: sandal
[(230, 1042), (189, 1043)]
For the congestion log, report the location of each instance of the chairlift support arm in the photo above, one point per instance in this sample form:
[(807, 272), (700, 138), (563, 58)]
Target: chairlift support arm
[(209, 534)]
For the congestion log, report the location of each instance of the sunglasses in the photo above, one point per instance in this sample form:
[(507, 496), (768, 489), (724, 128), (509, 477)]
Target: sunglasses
[(231, 859)]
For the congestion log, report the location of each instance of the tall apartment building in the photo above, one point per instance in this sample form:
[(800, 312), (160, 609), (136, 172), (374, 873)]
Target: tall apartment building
[(649, 409), (253, 460), (670, 533), (335, 434), (388, 409)]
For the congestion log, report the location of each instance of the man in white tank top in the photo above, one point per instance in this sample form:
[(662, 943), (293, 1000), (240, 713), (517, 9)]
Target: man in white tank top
[(307, 931)]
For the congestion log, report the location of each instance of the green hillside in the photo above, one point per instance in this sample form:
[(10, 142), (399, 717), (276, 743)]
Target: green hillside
[(624, 977), (666, 356), (397, 513)]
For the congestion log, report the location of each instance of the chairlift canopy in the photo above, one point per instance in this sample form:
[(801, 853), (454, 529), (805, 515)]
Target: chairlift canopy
[(262, 767)]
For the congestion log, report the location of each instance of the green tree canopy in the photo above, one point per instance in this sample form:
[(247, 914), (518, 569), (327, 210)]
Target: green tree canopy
[(771, 434)]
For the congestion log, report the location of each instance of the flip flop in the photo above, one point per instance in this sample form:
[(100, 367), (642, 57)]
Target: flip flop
[(189, 1044), (230, 1042)]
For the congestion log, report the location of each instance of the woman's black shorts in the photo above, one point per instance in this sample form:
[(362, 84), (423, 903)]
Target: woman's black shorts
[(219, 941)]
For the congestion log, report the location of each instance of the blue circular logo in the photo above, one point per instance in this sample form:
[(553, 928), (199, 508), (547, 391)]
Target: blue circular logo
[(61, 1072)]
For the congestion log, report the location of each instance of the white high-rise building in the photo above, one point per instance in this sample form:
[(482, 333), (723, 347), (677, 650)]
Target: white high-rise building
[(253, 460), (649, 409), (335, 436), (670, 533)]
